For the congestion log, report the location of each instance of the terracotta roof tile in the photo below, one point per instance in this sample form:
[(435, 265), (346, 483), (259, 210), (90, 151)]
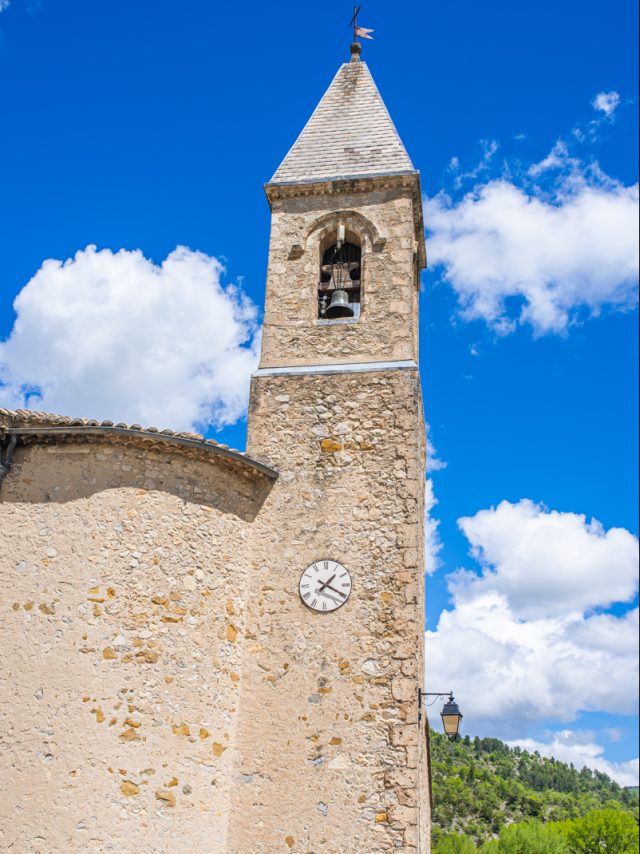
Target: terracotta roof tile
[(27, 418)]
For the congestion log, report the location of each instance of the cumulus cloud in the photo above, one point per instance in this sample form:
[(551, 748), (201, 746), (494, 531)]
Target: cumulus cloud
[(521, 642), (547, 563), (433, 462), (606, 102), (544, 244), (578, 749), (432, 543), (113, 335), (554, 257), (510, 673)]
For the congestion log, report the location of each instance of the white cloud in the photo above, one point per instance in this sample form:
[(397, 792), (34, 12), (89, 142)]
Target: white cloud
[(544, 245), (573, 748), (558, 158), (433, 463), (555, 256), (4, 4), (606, 102), (613, 734), (432, 543), (489, 150), (113, 335), (520, 644), (547, 563), (509, 673)]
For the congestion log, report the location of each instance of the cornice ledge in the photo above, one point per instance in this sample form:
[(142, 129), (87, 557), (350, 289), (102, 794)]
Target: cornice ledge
[(342, 184), (337, 368)]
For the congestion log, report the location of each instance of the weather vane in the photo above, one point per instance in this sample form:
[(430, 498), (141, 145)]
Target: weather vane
[(359, 32)]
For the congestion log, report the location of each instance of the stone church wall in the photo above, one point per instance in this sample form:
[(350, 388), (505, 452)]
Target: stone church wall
[(163, 687), (328, 741), (124, 574)]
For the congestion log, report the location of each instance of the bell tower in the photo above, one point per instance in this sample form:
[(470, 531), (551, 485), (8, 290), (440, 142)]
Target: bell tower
[(347, 218), (329, 752)]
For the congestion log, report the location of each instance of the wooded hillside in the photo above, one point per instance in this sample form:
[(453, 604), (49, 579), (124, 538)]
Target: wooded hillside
[(481, 784)]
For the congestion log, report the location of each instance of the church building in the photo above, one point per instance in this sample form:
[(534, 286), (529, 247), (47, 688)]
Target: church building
[(211, 651)]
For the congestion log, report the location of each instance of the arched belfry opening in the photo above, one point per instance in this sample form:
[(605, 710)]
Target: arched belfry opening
[(340, 280)]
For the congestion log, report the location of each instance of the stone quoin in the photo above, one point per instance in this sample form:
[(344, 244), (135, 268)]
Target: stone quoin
[(165, 685)]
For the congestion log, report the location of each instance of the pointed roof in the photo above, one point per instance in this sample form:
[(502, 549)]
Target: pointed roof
[(349, 135)]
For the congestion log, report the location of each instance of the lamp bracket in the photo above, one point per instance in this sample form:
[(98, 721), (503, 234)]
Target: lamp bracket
[(435, 694)]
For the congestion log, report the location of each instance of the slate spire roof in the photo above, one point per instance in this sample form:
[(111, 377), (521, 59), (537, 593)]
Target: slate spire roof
[(349, 135)]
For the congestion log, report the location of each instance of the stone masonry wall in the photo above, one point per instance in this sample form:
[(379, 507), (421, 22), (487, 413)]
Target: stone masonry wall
[(329, 756), (387, 329), (164, 689), (124, 575)]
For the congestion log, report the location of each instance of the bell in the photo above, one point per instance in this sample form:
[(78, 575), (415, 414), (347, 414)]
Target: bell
[(339, 305)]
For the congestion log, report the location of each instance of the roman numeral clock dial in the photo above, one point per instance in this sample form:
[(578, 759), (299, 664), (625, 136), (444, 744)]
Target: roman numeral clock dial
[(325, 586)]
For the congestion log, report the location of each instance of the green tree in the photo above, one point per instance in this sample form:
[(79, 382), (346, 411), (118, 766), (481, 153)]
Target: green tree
[(610, 830), (529, 837), (479, 785), (455, 843)]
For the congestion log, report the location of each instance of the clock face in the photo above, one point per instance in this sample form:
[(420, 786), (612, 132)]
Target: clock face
[(325, 585)]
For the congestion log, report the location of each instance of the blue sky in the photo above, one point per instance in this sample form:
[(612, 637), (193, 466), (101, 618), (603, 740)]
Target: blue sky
[(151, 125)]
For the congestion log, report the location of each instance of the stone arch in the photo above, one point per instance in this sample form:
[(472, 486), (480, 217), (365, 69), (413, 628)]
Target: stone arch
[(355, 222)]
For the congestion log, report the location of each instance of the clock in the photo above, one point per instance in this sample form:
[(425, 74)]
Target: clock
[(325, 586)]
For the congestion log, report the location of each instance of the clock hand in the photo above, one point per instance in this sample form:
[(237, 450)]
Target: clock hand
[(326, 583), (333, 599), (339, 592)]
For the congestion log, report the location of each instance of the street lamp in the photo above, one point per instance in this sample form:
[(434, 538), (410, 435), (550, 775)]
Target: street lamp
[(451, 718), (450, 714)]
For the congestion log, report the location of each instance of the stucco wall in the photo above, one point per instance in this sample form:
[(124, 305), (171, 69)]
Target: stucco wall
[(124, 575)]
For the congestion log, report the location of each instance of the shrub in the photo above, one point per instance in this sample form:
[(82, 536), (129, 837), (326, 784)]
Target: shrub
[(529, 837), (610, 830), (455, 843)]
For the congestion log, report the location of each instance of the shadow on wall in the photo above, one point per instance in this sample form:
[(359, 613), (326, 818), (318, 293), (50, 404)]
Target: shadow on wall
[(67, 471)]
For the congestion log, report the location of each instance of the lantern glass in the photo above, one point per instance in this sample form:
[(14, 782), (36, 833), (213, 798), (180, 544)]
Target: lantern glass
[(451, 718)]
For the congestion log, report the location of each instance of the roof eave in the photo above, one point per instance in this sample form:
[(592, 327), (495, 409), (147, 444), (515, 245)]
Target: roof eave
[(86, 432)]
